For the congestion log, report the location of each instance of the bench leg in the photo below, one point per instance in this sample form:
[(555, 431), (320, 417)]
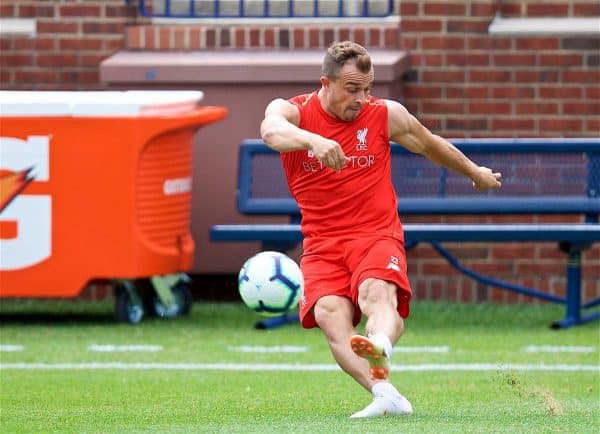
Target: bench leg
[(573, 315)]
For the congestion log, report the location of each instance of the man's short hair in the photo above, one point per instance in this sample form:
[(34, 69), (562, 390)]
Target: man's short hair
[(339, 53)]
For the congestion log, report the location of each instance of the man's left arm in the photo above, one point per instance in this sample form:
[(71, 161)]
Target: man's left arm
[(407, 131)]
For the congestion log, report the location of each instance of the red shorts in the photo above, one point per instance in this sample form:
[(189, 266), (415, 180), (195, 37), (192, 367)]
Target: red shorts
[(337, 266)]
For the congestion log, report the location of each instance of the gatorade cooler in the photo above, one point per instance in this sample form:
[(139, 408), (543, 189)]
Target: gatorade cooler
[(97, 185)]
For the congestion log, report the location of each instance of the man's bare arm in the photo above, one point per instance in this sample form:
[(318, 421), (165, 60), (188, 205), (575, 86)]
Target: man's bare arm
[(407, 131), (279, 130)]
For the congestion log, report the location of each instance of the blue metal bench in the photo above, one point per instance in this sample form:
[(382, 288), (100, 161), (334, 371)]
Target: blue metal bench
[(540, 177)]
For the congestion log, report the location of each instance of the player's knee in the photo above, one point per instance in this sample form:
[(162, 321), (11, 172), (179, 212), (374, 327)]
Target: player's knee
[(375, 291), (331, 313)]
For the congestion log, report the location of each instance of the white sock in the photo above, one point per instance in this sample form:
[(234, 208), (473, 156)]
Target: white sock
[(383, 341), (384, 388)]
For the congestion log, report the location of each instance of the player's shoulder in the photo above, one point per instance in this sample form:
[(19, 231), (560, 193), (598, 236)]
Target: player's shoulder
[(303, 99)]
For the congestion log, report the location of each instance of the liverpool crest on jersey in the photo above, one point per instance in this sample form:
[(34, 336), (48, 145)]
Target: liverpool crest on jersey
[(361, 136)]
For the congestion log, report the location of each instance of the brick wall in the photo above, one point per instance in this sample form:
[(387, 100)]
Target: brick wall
[(463, 83), (72, 38)]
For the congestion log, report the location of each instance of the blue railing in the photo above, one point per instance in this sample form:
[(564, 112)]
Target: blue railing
[(265, 8)]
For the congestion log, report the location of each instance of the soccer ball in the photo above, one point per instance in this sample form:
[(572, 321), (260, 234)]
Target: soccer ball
[(270, 283)]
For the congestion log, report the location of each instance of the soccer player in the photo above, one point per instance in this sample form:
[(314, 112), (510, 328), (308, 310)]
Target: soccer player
[(335, 150)]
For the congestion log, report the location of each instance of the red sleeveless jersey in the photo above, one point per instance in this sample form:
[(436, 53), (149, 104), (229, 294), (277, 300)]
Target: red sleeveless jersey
[(359, 200)]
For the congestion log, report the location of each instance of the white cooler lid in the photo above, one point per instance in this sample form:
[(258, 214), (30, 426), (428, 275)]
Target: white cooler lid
[(97, 103)]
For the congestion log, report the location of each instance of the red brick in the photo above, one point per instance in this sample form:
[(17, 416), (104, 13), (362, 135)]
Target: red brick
[(419, 25), (298, 37), (91, 60), (511, 251), (45, 11), (113, 44), (513, 92), (26, 11), (344, 34), (196, 41), (36, 76), (444, 76), (164, 38), (7, 60), (489, 75), (514, 59), (408, 43), (39, 44), (581, 108), (592, 92), (582, 76), (477, 108), (79, 10), (511, 124), (538, 76), (537, 108), (392, 38), (179, 38), (537, 43), (314, 36), (409, 8), (80, 44), (561, 124), (56, 27), (359, 36), (254, 38), (443, 107), (427, 60), (483, 9), (133, 37), (467, 59), (57, 60), (560, 92), (466, 124), (468, 92), (109, 27), (418, 91), (442, 43), (586, 9), (375, 39), (120, 11), (559, 59), (444, 9), (467, 26), (547, 10), (487, 43), (7, 11)]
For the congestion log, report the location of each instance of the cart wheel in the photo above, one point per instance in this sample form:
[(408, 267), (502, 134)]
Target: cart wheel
[(126, 308), (181, 305)]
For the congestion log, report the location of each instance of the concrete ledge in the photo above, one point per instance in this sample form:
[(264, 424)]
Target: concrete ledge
[(544, 26), (235, 66), (18, 27)]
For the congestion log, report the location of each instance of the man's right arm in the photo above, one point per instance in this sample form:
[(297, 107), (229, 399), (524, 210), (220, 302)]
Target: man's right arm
[(279, 130)]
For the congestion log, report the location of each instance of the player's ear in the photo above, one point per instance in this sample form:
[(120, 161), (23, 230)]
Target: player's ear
[(325, 81)]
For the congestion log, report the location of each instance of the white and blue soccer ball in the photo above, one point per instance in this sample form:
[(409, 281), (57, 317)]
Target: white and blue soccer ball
[(270, 283)]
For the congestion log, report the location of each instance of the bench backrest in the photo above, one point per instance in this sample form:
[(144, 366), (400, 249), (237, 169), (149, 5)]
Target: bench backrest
[(539, 176)]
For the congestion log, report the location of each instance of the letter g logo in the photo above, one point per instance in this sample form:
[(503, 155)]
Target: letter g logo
[(21, 162)]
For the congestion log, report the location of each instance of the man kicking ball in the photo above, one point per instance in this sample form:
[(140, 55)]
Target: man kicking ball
[(335, 150)]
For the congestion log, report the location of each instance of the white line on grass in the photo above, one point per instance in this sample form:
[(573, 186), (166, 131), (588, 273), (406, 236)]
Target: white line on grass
[(289, 367), (272, 349), (11, 348), (124, 348), (558, 349), (442, 349)]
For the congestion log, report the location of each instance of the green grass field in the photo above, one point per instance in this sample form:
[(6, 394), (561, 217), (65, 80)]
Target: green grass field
[(478, 376)]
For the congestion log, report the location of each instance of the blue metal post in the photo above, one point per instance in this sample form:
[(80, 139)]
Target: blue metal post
[(574, 288)]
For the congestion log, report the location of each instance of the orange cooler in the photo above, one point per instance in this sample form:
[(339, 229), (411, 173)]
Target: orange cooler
[(95, 185)]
